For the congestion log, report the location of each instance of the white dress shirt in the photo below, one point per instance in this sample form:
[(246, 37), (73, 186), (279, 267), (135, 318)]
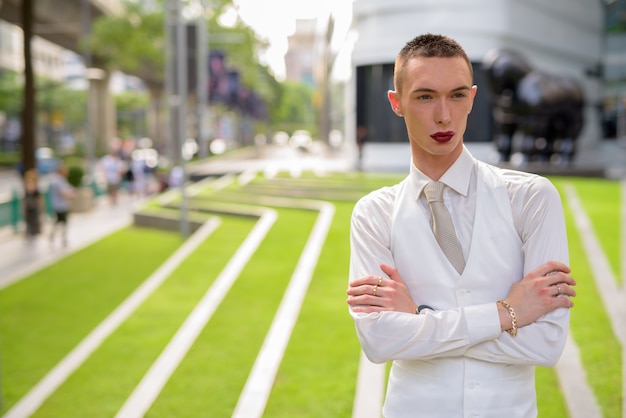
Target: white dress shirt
[(455, 361)]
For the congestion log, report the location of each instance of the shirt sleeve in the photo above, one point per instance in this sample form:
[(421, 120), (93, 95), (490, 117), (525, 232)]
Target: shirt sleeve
[(538, 214), (472, 331), (387, 336)]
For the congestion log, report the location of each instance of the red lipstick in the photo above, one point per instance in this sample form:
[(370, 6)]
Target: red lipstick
[(443, 136)]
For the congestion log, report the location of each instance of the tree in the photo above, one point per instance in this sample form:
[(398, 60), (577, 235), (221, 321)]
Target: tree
[(134, 43), (131, 42), (11, 93), (61, 110), (131, 106), (295, 108)]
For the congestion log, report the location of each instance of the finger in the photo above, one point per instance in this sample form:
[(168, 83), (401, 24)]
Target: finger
[(364, 289), (392, 272), (564, 289), (552, 267), (363, 280), (548, 268), (561, 278), (564, 302), (365, 300), (367, 309)]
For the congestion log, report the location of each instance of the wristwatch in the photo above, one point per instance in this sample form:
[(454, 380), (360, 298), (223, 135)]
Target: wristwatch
[(420, 308)]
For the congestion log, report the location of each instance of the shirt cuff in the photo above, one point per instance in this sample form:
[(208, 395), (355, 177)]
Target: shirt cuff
[(483, 322)]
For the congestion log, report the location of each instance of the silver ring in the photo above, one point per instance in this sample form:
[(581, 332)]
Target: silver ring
[(374, 290), (558, 289)]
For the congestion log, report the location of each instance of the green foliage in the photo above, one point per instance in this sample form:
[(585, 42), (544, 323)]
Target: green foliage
[(11, 96), (295, 108), (75, 175), (131, 110), (60, 107), (9, 159), (132, 42)]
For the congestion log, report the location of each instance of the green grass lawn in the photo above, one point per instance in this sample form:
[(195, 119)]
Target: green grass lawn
[(47, 314), (599, 348)]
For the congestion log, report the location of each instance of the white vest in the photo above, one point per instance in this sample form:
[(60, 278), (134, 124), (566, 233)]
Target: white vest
[(494, 263)]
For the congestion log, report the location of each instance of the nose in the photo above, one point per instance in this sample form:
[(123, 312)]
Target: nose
[(442, 115)]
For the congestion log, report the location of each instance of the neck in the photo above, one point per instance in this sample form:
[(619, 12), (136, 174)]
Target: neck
[(434, 166)]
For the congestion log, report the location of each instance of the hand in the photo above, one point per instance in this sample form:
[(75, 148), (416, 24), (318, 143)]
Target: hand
[(376, 293), (543, 290)]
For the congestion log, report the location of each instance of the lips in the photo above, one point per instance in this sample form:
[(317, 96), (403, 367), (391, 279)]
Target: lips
[(442, 136)]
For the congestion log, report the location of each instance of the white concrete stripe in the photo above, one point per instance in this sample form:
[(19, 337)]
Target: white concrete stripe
[(372, 377), (28, 404), (623, 262), (247, 176), (612, 295), (623, 238), (581, 402), (223, 181), (157, 376), (254, 397), (370, 389)]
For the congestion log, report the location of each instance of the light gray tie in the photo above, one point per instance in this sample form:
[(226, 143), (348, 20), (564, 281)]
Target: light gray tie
[(443, 227)]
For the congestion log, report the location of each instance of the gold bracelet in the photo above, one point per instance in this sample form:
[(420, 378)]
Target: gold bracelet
[(513, 330)]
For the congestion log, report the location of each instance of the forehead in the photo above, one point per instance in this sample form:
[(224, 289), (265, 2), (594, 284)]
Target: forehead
[(437, 73)]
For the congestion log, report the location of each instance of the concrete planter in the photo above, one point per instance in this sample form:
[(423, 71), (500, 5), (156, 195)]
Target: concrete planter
[(83, 201)]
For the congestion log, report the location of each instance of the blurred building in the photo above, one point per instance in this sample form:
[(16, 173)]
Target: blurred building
[(48, 58), (561, 36), (614, 72), (49, 62), (301, 53)]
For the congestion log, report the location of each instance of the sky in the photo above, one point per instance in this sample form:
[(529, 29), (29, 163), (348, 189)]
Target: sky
[(274, 20)]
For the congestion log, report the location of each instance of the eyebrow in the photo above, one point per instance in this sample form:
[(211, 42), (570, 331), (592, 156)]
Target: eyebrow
[(429, 90)]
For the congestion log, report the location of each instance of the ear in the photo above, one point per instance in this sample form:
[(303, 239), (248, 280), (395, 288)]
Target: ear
[(394, 101), (473, 96)]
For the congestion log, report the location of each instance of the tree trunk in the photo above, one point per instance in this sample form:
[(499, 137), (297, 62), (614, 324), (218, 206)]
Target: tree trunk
[(28, 111), (28, 119)]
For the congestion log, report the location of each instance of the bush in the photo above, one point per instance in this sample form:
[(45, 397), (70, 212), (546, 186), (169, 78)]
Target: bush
[(75, 176)]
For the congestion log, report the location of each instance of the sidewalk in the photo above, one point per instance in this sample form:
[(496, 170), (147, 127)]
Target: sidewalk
[(21, 258)]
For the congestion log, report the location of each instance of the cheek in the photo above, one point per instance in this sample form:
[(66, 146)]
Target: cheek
[(418, 115)]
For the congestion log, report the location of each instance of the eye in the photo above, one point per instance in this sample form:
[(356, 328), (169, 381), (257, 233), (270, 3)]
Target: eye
[(459, 95), (424, 97)]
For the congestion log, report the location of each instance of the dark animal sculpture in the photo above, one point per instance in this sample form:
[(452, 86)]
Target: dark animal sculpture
[(544, 110)]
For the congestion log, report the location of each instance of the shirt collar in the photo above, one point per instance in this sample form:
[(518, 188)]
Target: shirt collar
[(457, 177)]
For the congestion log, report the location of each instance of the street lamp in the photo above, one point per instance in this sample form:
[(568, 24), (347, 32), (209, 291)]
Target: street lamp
[(176, 89)]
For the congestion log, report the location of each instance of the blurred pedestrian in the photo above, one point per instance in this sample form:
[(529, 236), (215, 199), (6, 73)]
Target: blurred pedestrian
[(60, 194), (136, 170), (361, 139), (33, 204), (176, 178), (113, 168)]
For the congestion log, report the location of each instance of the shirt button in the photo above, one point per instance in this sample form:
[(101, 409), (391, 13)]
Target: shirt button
[(472, 385)]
